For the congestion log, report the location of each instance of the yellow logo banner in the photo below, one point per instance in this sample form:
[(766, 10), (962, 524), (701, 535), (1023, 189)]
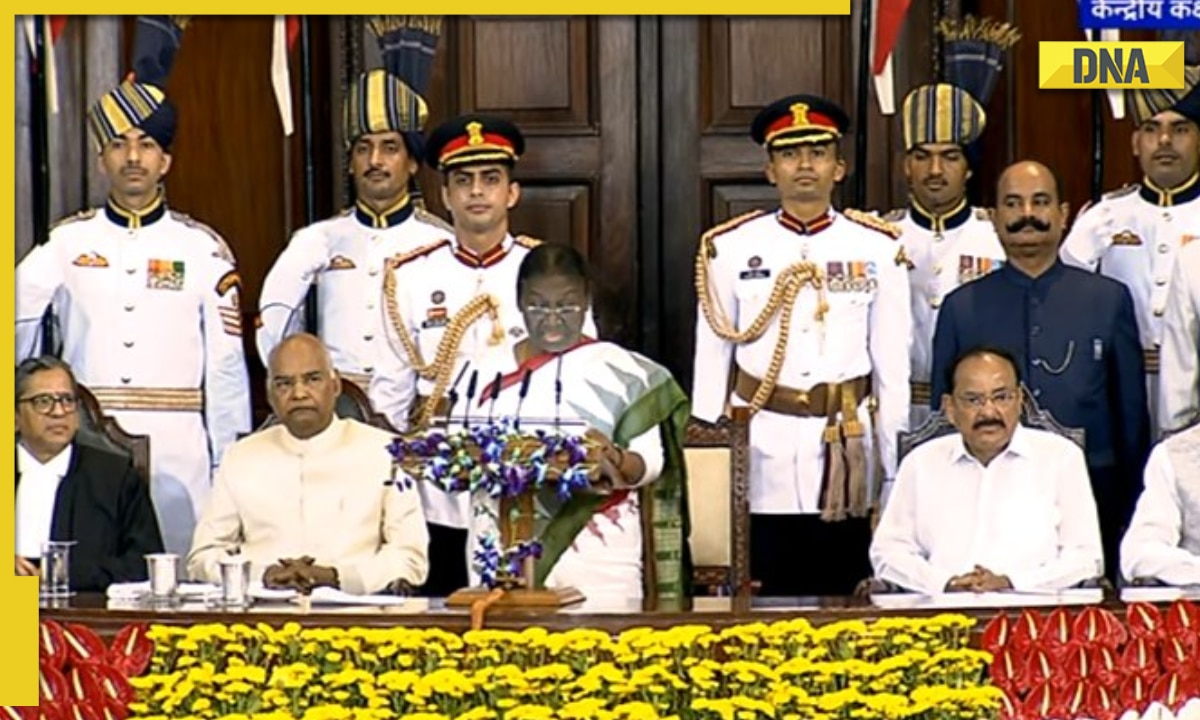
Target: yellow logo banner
[(1129, 65)]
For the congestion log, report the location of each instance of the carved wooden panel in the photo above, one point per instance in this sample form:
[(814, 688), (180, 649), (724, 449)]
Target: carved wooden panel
[(558, 213), (537, 72), (750, 62), (732, 200)]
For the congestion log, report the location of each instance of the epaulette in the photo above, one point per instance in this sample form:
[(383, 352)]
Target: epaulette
[(896, 215), (984, 214), (875, 223), (1121, 191), (85, 214), (731, 224), (433, 219), (406, 257), (527, 242), (223, 250)]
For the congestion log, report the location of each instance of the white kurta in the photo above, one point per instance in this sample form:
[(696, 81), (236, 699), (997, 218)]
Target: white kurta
[(866, 331), (1179, 396), (276, 496), (1029, 514), (430, 290), (605, 561), (945, 253), (150, 319), (344, 258), (1163, 540), (1133, 235)]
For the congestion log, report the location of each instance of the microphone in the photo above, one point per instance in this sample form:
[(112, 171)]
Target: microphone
[(453, 394), (495, 395), (524, 391), (558, 394), (470, 396)]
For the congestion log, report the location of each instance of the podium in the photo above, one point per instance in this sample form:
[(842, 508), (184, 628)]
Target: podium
[(501, 461)]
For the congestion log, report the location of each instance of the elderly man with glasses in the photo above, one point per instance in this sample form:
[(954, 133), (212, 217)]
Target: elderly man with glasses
[(69, 490), (993, 507)]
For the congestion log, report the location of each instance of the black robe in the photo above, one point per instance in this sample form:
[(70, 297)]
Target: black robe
[(104, 506)]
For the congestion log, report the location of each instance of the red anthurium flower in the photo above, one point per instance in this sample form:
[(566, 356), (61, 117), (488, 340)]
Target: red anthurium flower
[(1140, 658), (1079, 663), (1171, 691), (1044, 702), (1056, 633), (82, 685), (83, 711), (112, 710), (1182, 620), (9, 712), (1103, 703), (1075, 698), (1117, 634), (83, 644), (113, 685), (51, 647), (1106, 667), (46, 711), (1007, 672), (1010, 708), (131, 651), (1176, 656), (997, 634), (52, 685), (1027, 630), (1098, 627), (1135, 693), (1143, 619), (1041, 667)]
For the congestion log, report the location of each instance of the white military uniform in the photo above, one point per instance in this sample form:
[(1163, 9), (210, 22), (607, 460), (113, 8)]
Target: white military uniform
[(344, 257), (1133, 235), (1179, 401), (151, 324), (944, 252), (432, 285), (865, 332)]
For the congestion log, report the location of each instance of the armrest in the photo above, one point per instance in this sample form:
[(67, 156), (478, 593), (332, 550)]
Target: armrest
[(875, 586)]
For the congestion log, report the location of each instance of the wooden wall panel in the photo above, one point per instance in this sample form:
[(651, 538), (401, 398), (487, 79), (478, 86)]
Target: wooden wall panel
[(559, 213)]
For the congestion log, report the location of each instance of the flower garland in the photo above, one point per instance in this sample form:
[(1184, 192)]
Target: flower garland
[(1092, 666), (919, 668)]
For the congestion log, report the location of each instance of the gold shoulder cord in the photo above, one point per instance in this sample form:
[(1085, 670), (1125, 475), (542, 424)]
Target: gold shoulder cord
[(782, 301), (442, 367)]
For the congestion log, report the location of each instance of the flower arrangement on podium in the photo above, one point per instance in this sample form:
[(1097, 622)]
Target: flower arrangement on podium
[(498, 460)]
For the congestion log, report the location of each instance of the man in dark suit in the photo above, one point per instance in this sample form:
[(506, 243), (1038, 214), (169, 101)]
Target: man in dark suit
[(1075, 334), (69, 490)]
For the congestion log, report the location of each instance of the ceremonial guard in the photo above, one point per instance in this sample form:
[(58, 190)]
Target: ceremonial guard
[(450, 312), (1073, 333), (344, 256), (947, 241), (1180, 392), (1134, 234), (147, 299), (804, 313)]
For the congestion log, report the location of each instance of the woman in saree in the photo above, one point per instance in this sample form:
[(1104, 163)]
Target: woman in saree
[(626, 404)]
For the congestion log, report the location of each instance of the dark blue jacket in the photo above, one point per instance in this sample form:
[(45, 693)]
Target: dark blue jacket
[(1076, 336)]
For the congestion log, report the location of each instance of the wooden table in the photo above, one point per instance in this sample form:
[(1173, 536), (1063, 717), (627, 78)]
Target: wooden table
[(96, 612)]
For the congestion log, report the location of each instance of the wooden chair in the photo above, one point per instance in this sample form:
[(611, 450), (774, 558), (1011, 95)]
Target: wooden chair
[(354, 404), (100, 430), (718, 468), (937, 425)]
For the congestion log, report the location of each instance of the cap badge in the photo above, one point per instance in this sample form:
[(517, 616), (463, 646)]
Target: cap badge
[(474, 133), (800, 114)]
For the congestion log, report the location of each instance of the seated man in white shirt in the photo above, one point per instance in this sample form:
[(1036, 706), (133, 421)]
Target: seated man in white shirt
[(1163, 540), (305, 499), (995, 506)]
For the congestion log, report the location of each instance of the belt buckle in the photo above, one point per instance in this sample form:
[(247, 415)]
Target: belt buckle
[(802, 397)]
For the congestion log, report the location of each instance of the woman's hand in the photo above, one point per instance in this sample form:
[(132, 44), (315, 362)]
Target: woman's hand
[(619, 468)]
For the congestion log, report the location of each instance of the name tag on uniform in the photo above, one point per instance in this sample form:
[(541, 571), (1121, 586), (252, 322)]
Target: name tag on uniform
[(755, 270), (435, 317), (165, 275)]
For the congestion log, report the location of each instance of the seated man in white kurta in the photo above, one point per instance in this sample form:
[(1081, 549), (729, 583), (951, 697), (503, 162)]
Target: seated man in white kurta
[(1163, 540), (995, 506), (305, 500), (629, 405)]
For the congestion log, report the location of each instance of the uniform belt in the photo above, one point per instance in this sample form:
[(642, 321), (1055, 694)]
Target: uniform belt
[(813, 402), (135, 398), (1150, 357), (363, 380), (921, 393)]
